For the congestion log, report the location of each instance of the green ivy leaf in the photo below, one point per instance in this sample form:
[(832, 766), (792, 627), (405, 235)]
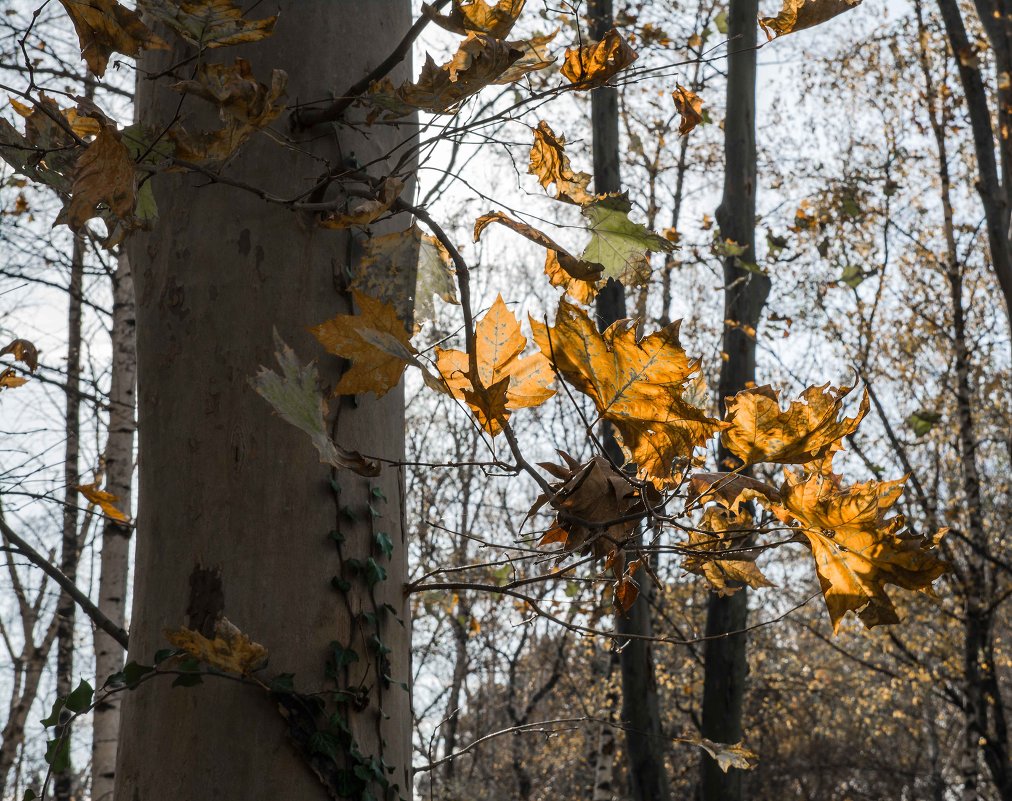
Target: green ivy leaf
[(80, 699), (58, 754), (384, 543)]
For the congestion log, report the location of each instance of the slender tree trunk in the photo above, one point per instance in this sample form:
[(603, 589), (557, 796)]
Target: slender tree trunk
[(604, 751), (745, 292), (69, 552), (645, 745), (237, 516), (115, 557)]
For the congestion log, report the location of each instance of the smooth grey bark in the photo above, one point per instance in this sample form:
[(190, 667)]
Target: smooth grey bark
[(114, 565), (644, 740), (66, 608), (233, 500), (745, 292)]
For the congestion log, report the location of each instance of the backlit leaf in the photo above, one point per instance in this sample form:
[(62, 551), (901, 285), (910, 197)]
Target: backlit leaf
[(534, 59), (796, 15), (477, 16), (619, 244), (106, 501), (549, 162), (689, 106), (593, 64)]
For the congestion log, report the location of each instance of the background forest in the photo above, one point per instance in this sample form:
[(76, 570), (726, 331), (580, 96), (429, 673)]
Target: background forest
[(542, 666)]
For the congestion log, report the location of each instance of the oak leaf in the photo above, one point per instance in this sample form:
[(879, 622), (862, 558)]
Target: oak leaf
[(375, 341), (106, 501), (478, 62), (478, 16), (230, 651), (796, 15), (295, 395), (105, 27), (209, 23), (637, 385), (857, 548), (549, 162), (689, 106), (498, 348), (594, 64), (809, 429)]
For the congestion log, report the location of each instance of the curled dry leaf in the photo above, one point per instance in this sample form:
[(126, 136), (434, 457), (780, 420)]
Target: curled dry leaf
[(106, 501), (718, 552), (23, 351), (534, 59), (689, 106), (549, 162), (726, 756), (296, 397), (478, 16), (244, 104), (730, 490), (857, 548), (365, 212), (9, 379), (594, 64), (498, 348), (209, 23), (230, 651), (375, 341), (104, 178), (638, 386), (808, 430), (478, 62), (105, 27), (796, 15)]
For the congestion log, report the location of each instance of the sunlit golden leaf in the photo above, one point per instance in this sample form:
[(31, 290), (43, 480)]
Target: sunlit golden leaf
[(549, 162), (498, 347), (375, 341), (477, 16), (593, 64), (230, 651), (796, 15), (636, 385), (106, 501), (857, 549), (809, 429), (105, 27), (689, 106)]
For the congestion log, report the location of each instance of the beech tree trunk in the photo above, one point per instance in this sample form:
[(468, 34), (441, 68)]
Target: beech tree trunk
[(745, 292), (115, 554), (644, 741), (237, 516)]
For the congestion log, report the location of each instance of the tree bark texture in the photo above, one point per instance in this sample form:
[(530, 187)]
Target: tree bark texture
[(114, 563), (237, 516), (745, 292)]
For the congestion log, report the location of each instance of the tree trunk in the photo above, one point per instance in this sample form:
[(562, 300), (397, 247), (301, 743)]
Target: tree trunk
[(237, 516), (745, 292), (645, 745), (115, 555), (69, 551)]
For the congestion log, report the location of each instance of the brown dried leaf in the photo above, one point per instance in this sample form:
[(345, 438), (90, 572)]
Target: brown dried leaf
[(209, 23), (105, 27), (724, 531), (690, 106), (594, 64), (534, 59), (478, 16), (367, 211), (104, 176), (796, 15), (579, 269), (10, 379), (24, 352), (549, 162)]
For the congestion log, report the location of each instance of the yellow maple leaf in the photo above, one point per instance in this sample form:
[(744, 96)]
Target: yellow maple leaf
[(478, 62), (858, 549), (375, 341), (230, 650), (796, 15), (549, 162), (808, 430), (498, 345), (638, 386), (689, 106), (106, 501), (105, 27), (478, 16), (593, 64)]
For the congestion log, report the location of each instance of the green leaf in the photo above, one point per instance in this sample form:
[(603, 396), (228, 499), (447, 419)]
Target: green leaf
[(341, 656), (322, 742), (58, 754), (922, 421), (283, 683), (384, 543), (80, 699), (374, 572), (188, 680), (852, 276), (721, 22), (133, 672), (54, 715), (296, 397), (30, 795), (617, 243), (340, 584)]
